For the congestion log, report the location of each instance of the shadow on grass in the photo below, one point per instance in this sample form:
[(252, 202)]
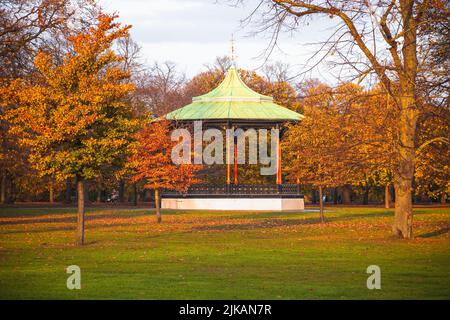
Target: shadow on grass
[(435, 233), (330, 216), (72, 228), (362, 215), (27, 213), (36, 212), (267, 215), (258, 220), (258, 225), (72, 218)]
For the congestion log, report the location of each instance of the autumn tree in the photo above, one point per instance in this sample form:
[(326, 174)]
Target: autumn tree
[(433, 79), (130, 52), (351, 129), (160, 87), (72, 115), (277, 72), (432, 174), (368, 116), (382, 38), (153, 164), (27, 26), (377, 119), (317, 148), (203, 83), (282, 91)]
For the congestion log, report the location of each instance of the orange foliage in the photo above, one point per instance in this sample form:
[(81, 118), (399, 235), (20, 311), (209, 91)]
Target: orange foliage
[(152, 161), (73, 116)]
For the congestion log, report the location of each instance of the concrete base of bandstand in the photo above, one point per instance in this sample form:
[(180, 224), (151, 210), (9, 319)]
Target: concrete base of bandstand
[(234, 204)]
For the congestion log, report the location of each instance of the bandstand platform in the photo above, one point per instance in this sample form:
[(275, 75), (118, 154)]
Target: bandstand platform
[(267, 197)]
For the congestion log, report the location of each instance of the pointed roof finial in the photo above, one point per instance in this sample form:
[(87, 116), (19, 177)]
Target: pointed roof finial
[(233, 53)]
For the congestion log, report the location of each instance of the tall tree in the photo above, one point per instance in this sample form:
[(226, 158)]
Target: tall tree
[(161, 88), (432, 174), (380, 38), (378, 138), (25, 27), (371, 115), (73, 116), (317, 148), (153, 164)]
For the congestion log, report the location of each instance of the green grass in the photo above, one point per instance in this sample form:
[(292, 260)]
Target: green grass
[(223, 255)]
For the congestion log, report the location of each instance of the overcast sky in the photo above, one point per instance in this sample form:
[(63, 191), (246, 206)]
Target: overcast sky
[(192, 33)]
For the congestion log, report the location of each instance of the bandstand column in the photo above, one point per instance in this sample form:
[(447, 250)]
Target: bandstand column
[(228, 158), (278, 177), (235, 161)]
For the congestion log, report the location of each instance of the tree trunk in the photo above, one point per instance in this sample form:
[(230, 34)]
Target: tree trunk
[(3, 189), (407, 122), (322, 218), (80, 219), (392, 188), (10, 194), (135, 194), (50, 193), (335, 196), (68, 190), (366, 195), (99, 194), (346, 198), (158, 209), (147, 195), (443, 197), (404, 171), (122, 191), (387, 196), (403, 205), (313, 196)]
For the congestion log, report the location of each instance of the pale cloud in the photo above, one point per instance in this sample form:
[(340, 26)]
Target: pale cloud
[(192, 33)]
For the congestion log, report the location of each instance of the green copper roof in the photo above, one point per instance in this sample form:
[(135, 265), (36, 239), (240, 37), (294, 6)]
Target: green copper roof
[(232, 99)]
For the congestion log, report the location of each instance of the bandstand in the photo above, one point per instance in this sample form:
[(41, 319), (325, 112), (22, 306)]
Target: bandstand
[(234, 105)]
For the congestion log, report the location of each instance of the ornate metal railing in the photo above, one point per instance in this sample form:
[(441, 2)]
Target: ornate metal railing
[(238, 190)]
